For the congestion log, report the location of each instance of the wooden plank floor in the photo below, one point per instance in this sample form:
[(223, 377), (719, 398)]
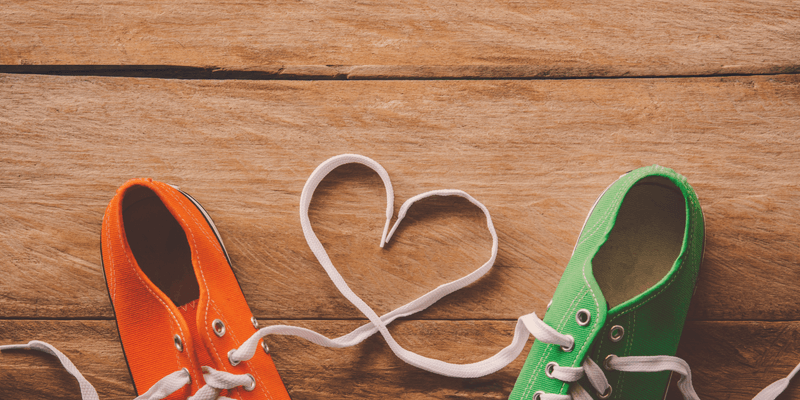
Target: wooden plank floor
[(89, 101)]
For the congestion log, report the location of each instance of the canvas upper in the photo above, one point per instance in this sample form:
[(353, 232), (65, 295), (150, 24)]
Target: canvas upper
[(648, 322), (178, 305)]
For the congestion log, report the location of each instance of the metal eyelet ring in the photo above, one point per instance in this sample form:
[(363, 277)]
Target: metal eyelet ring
[(188, 374), (538, 395), (230, 360), (254, 321), (219, 327), (616, 333), (251, 386), (605, 394), (571, 346), (605, 362), (264, 346), (583, 317), (548, 369), (178, 343)]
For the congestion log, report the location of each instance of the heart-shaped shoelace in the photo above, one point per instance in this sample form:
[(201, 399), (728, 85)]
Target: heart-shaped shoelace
[(378, 323), (526, 325)]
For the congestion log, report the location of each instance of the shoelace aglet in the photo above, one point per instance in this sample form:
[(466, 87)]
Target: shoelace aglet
[(386, 234), (16, 347)]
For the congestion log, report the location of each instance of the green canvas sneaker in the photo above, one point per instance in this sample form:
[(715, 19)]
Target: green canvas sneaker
[(625, 292)]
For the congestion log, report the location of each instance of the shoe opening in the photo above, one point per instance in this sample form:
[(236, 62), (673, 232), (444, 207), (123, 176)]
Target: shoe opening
[(159, 245), (644, 243)]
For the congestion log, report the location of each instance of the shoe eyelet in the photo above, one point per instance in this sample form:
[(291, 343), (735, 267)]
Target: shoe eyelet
[(616, 333), (230, 360), (549, 368), (571, 347), (219, 327), (178, 343), (550, 303), (538, 395), (254, 321), (583, 317), (188, 374), (251, 386), (264, 346), (606, 361), (605, 394)]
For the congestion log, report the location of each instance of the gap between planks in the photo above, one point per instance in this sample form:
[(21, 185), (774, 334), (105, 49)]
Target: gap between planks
[(323, 37), (386, 72)]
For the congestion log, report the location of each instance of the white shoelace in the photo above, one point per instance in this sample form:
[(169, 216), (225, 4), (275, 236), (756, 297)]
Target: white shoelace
[(597, 378), (215, 380), (378, 323), (530, 324)]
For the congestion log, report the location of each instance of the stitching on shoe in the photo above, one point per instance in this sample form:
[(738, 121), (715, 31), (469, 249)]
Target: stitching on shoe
[(689, 255), (197, 257), (210, 301), (233, 336), (601, 345), (605, 217), (626, 352), (563, 323), (561, 326), (174, 318), (535, 375), (588, 286), (597, 309), (187, 306), (169, 193), (235, 340)]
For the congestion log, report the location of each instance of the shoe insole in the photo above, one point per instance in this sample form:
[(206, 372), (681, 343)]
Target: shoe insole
[(644, 243), (159, 245)]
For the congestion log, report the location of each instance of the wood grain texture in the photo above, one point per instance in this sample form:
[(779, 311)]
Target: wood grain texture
[(735, 360), (725, 361), (536, 153), (368, 371), (324, 39)]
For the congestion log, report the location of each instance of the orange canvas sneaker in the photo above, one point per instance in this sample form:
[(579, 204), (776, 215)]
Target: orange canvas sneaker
[(179, 308)]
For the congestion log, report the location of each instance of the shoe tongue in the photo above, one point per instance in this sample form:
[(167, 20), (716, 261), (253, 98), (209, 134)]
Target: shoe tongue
[(189, 313)]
